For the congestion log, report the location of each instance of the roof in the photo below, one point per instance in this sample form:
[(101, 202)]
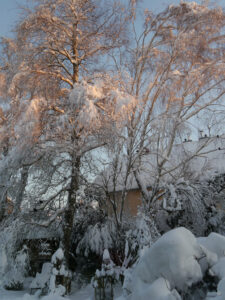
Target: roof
[(200, 159), (35, 231)]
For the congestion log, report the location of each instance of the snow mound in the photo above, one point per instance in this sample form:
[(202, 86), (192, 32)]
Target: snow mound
[(219, 269), (158, 290), (177, 261), (173, 257), (174, 263), (220, 295), (214, 243), (41, 279)]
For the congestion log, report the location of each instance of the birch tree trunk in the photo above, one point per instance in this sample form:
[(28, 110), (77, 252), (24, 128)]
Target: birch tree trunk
[(22, 186), (71, 207)]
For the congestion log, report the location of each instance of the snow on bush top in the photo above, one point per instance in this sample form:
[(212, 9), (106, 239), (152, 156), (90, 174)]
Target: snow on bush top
[(173, 257), (106, 255), (214, 243), (41, 279), (57, 255), (171, 263)]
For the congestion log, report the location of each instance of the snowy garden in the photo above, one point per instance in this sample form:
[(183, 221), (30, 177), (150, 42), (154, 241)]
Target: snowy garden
[(177, 266), (112, 151)]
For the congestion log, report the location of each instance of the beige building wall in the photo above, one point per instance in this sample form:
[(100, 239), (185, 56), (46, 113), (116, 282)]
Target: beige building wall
[(132, 201)]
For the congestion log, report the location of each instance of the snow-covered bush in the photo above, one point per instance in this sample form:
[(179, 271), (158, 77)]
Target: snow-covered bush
[(3, 263), (93, 231), (10, 239), (191, 205), (105, 278), (216, 244), (141, 235), (60, 277), (14, 260), (14, 278), (97, 238), (175, 262), (54, 277), (41, 281)]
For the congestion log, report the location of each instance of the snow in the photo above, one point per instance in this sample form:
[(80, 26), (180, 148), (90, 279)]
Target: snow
[(191, 8), (6, 295), (171, 264), (57, 255), (18, 295), (42, 278), (214, 243), (175, 262), (219, 268), (158, 290), (83, 294), (97, 238), (220, 295), (172, 256), (176, 73), (106, 255), (3, 262)]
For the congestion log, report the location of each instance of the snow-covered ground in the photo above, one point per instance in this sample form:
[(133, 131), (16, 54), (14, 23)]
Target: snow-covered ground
[(83, 294)]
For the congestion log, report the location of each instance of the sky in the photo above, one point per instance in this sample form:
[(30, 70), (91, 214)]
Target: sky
[(9, 12)]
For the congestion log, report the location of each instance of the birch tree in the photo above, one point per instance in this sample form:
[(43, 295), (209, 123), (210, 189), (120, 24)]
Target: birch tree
[(61, 48), (174, 72)]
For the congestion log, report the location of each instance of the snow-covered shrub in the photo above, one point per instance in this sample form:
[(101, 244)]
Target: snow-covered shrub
[(141, 235), (186, 206), (170, 267), (14, 278), (216, 244), (97, 238), (216, 221), (60, 277), (41, 281), (192, 205), (54, 278), (105, 278), (93, 231), (3, 263), (11, 235)]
